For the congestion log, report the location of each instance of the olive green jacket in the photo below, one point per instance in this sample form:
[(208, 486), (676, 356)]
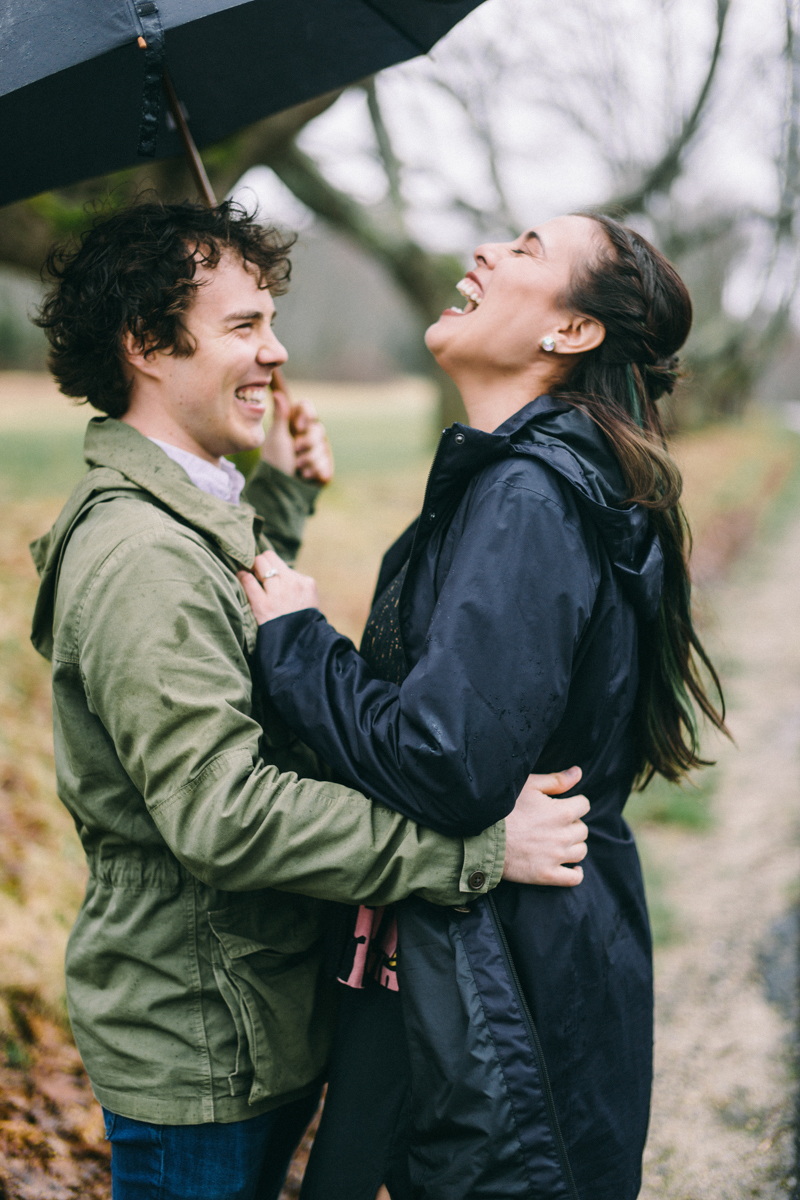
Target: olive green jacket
[(194, 974)]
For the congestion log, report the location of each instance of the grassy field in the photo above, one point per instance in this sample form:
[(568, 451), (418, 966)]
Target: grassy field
[(383, 441)]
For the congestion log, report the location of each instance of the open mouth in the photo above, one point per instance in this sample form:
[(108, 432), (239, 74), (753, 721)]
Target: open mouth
[(254, 396), (473, 295)]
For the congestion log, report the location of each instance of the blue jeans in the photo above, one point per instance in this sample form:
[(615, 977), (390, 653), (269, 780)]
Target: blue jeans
[(243, 1160)]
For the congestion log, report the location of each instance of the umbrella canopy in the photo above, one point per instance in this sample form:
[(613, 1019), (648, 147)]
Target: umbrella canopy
[(80, 79)]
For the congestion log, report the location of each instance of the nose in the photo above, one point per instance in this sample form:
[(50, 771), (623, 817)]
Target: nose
[(487, 254), (271, 352)]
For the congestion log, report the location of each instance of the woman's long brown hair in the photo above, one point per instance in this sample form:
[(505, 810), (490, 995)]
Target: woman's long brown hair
[(646, 310)]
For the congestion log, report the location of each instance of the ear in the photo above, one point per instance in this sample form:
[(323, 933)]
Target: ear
[(138, 357), (579, 335)]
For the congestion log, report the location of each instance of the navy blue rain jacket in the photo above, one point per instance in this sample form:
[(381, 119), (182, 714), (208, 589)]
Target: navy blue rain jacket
[(525, 612)]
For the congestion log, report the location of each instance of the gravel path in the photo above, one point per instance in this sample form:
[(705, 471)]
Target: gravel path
[(726, 1057)]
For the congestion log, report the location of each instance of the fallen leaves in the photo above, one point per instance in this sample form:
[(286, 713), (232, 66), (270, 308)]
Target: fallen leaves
[(52, 1143)]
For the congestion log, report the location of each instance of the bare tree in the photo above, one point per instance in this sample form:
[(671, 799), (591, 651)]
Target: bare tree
[(582, 79), (526, 90)]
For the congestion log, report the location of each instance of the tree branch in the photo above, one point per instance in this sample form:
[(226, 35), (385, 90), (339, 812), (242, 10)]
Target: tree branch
[(790, 183), (254, 145), (391, 163), (661, 176), (502, 214), (427, 279)]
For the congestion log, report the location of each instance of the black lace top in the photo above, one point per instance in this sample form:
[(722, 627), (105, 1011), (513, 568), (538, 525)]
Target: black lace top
[(370, 950), (381, 647)]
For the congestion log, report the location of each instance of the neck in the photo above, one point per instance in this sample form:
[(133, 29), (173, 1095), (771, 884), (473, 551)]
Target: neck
[(491, 398), (155, 421)]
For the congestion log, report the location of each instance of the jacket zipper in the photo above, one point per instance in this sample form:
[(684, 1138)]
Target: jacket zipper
[(536, 1044), (417, 540)]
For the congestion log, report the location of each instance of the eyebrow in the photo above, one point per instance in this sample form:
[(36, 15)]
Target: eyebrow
[(532, 235), (256, 315)]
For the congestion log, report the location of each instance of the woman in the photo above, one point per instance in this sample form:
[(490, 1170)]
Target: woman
[(537, 613)]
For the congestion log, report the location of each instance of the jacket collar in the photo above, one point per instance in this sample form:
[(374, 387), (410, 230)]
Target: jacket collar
[(571, 444), (116, 445), (464, 450)]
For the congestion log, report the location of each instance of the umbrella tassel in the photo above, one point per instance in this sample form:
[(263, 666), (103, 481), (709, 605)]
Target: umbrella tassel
[(152, 42)]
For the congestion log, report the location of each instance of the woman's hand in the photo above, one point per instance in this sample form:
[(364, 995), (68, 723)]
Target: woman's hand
[(274, 589), (297, 443), (544, 832)]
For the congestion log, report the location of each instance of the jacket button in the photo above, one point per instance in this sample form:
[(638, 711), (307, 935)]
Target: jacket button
[(459, 439), (431, 515), (476, 880)]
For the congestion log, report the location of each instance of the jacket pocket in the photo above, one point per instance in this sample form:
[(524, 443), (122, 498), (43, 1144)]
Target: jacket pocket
[(267, 955)]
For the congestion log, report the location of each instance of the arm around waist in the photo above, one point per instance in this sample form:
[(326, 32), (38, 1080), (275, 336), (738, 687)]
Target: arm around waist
[(162, 647)]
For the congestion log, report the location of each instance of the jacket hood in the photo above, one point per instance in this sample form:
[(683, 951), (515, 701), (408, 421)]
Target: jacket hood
[(570, 443), (122, 462)]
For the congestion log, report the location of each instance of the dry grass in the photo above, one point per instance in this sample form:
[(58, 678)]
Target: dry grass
[(51, 1133), (730, 474), (42, 870)]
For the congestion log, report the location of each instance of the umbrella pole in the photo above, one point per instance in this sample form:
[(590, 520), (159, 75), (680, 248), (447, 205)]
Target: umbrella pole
[(191, 153), (202, 182)]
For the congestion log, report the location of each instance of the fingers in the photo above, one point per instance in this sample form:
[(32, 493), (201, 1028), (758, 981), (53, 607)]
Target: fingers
[(281, 409), (574, 807), (252, 587), (556, 782), (559, 810), (278, 447), (316, 467), (256, 596), (314, 456), (280, 590), (269, 561), (566, 877), (302, 416), (575, 853)]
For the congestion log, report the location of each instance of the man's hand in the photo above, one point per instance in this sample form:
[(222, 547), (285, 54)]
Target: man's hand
[(274, 589), (297, 443), (314, 457), (543, 832)]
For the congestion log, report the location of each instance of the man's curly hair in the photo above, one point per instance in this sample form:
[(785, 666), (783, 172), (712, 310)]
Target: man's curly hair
[(135, 271)]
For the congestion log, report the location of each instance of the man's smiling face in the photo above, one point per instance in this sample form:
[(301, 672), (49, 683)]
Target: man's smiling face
[(218, 395)]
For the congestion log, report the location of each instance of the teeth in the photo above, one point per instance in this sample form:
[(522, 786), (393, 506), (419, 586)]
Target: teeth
[(469, 290), (252, 395)]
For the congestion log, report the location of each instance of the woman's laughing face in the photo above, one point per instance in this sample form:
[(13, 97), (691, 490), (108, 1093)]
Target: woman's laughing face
[(514, 298)]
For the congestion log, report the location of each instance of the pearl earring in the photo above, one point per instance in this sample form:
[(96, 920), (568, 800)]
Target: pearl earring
[(548, 343)]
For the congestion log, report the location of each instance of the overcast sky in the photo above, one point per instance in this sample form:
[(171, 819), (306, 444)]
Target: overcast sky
[(625, 71)]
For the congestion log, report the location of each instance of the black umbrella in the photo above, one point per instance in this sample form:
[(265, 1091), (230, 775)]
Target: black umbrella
[(80, 80)]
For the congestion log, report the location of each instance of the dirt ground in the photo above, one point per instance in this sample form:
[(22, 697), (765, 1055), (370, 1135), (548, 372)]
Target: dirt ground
[(726, 991)]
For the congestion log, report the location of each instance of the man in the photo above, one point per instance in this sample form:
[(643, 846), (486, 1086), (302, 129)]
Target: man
[(194, 972)]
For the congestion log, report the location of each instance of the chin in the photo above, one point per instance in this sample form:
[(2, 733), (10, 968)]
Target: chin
[(435, 338), (247, 439)]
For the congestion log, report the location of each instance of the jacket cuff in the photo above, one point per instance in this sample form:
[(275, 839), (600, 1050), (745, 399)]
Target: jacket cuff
[(301, 494), (283, 502), (484, 859)]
